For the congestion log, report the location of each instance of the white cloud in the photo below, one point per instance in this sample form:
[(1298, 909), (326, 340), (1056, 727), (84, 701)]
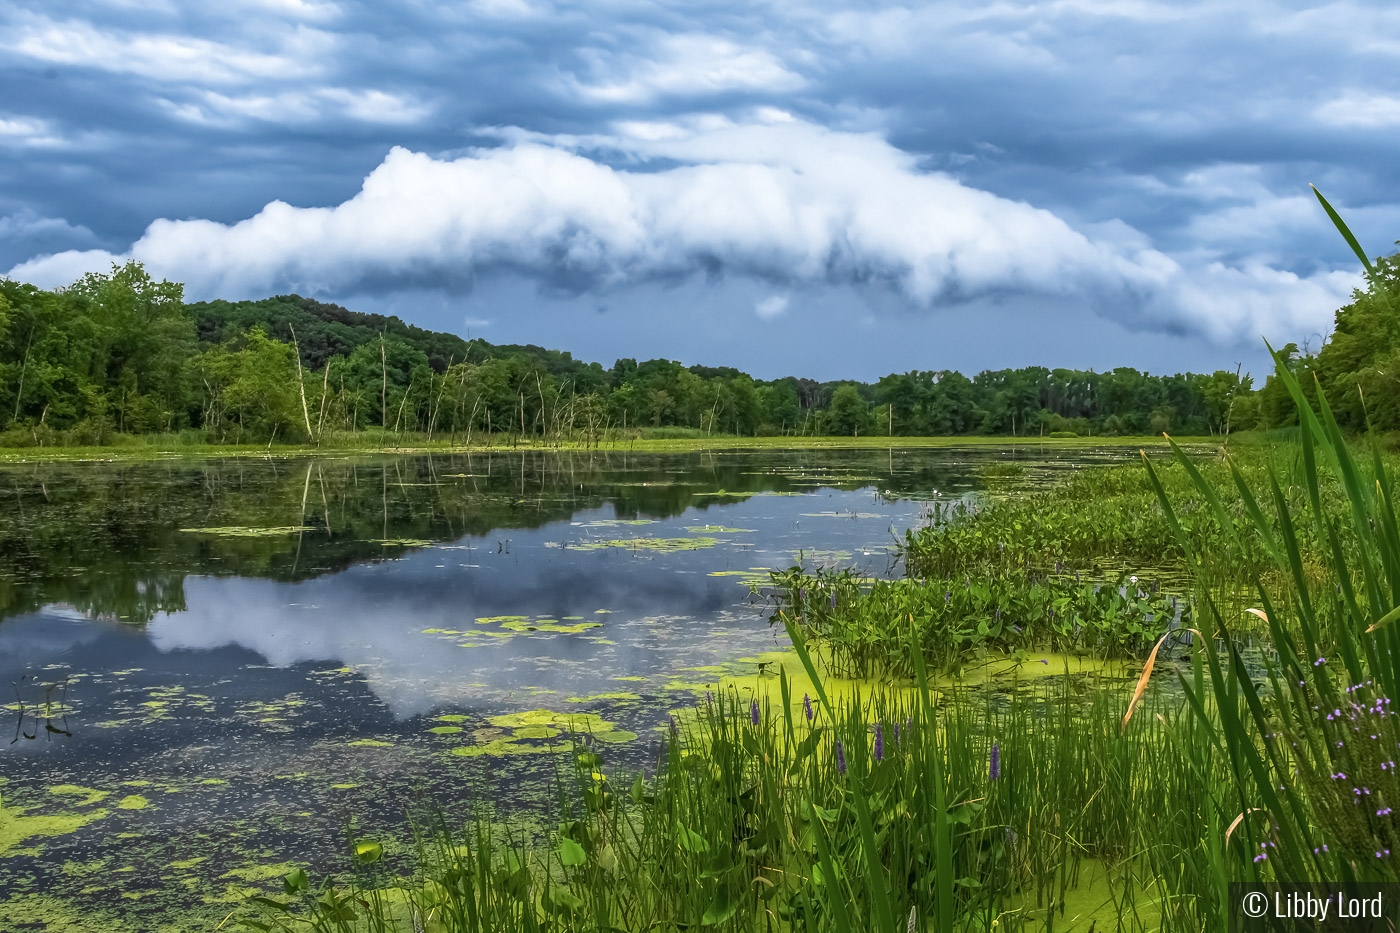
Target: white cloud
[(26, 223), (292, 107), (170, 57), (685, 66), (1360, 109), (784, 202), (771, 307)]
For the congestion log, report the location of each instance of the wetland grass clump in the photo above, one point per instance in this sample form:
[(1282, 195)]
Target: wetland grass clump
[(865, 626), (1095, 520)]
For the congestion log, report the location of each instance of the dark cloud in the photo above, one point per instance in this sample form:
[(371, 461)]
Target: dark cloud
[(1188, 129)]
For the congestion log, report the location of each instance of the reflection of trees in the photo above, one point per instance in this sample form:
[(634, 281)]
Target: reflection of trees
[(106, 539)]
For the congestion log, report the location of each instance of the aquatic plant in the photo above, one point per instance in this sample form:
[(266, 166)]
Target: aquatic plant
[(864, 626)]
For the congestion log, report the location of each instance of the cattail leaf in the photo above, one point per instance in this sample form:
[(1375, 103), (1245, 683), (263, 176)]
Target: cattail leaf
[(1344, 231)]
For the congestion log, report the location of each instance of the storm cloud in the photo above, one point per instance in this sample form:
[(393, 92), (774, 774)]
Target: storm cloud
[(1143, 162)]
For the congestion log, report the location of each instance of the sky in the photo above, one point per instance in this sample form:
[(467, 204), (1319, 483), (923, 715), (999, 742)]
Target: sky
[(833, 190)]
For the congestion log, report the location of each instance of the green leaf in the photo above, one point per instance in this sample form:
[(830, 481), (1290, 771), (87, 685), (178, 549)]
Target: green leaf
[(296, 881), (1345, 232), (571, 853), (690, 840), (367, 851), (722, 907)]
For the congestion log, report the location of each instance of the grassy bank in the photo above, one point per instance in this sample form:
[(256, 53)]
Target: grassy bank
[(161, 447)]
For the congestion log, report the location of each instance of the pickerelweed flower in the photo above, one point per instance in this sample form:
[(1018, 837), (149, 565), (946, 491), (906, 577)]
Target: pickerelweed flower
[(807, 705), (879, 742), (833, 600), (994, 762), (840, 757), (896, 733), (709, 697), (753, 711)]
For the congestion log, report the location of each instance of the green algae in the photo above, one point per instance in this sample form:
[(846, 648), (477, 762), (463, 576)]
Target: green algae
[(445, 730), (503, 747), (754, 576), (614, 522), (718, 530), (450, 717), (401, 542), (133, 802), (16, 828), (547, 625), (596, 697), (536, 732), (664, 545), (89, 795), (247, 531), (632, 678)]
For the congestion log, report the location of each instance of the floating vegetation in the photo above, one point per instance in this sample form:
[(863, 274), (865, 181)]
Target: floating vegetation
[(717, 530), (89, 795), (17, 828), (133, 802), (247, 531), (754, 576), (621, 695), (518, 733), (614, 522), (648, 544), (401, 542)]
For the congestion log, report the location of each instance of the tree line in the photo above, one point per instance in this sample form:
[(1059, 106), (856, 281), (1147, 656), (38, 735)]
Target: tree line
[(122, 353)]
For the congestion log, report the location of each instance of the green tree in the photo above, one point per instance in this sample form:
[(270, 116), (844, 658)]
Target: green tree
[(849, 414)]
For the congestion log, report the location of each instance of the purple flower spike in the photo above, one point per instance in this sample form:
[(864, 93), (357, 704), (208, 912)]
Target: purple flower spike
[(753, 711), (840, 757), (994, 763), (807, 705), (896, 733), (833, 600), (709, 697), (879, 742)]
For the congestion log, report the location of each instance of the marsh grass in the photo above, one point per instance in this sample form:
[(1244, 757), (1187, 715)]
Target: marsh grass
[(882, 806)]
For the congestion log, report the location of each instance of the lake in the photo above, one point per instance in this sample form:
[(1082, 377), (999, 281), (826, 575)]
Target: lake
[(220, 668)]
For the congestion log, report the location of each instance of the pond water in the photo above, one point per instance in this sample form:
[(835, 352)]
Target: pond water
[(219, 668)]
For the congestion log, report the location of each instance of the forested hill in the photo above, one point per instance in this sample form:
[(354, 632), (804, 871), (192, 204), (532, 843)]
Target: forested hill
[(323, 331), (122, 353)]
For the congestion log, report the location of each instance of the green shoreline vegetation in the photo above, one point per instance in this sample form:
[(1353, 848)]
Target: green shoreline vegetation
[(115, 358)]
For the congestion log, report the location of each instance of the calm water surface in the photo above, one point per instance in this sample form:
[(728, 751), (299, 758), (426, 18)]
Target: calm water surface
[(220, 667)]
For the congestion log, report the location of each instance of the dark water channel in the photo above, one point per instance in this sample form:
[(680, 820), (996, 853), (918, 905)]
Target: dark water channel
[(213, 670)]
